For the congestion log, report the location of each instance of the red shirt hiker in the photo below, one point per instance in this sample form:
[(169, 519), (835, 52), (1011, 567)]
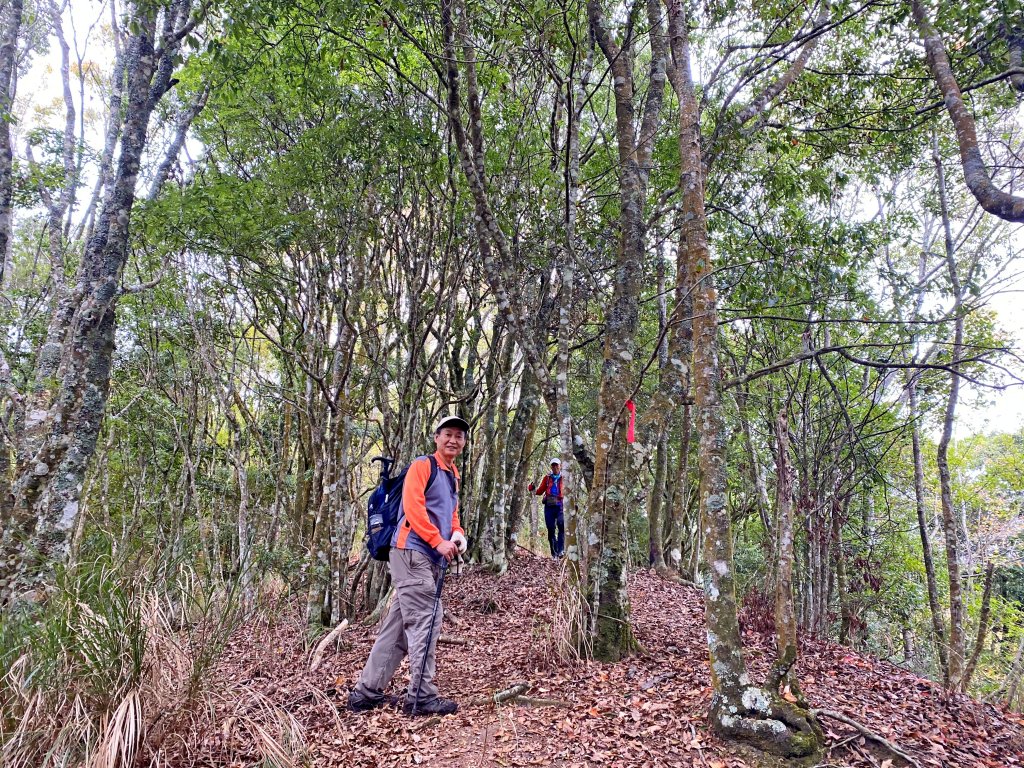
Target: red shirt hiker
[(552, 490)]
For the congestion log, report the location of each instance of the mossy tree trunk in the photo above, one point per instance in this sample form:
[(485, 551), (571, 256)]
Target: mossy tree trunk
[(8, 80), (740, 710), (656, 504), (67, 398), (784, 675), (520, 440), (611, 491), (491, 542)]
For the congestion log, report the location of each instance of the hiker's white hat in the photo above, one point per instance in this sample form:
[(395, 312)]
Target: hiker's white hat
[(556, 460), (451, 421)]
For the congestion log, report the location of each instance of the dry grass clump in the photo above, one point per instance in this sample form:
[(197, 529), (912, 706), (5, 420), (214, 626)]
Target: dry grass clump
[(559, 635), (110, 665)]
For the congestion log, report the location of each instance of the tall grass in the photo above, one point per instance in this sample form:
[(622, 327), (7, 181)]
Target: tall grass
[(112, 662), (560, 634)]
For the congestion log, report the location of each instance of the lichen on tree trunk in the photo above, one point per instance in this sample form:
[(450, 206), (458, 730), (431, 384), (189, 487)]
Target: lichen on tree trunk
[(72, 377), (739, 709)]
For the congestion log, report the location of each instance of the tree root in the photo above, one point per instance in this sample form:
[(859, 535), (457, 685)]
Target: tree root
[(865, 731), (670, 574), (767, 722), (318, 654), (382, 606)]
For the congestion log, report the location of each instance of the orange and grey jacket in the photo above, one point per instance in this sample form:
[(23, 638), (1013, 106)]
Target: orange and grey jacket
[(428, 516)]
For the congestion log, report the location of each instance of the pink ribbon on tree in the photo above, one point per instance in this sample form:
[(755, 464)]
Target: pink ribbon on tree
[(630, 435)]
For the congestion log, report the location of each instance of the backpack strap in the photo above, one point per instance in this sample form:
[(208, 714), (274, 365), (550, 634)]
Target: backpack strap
[(433, 473)]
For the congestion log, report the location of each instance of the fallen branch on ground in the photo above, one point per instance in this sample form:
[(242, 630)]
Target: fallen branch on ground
[(515, 695), (318, 654), (500, 696), (868, 733), (448, 640), (434, 720), (454, 620)]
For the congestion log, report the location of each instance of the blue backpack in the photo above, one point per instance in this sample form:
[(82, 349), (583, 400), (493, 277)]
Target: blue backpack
[(382, 508)]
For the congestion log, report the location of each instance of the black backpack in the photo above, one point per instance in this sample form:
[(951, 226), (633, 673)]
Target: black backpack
[(382, 508)]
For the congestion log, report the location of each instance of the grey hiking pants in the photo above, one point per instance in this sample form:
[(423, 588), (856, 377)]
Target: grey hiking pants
[(404, 631)]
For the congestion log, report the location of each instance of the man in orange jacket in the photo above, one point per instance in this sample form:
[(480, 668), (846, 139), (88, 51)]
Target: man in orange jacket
[(427, 538), (551, 489)]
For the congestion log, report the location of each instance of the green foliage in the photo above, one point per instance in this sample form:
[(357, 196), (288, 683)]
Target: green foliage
[(328, 200), (87, 639), (114, 631)]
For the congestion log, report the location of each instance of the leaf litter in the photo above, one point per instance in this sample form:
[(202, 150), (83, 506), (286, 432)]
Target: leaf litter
[(645, 711)]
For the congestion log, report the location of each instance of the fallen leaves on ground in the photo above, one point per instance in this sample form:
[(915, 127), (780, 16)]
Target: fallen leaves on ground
[(646, 711)]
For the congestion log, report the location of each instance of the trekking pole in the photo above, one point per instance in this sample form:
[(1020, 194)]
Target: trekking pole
[(430, 634)]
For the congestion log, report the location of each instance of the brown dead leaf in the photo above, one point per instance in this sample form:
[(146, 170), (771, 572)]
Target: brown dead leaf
[(611, 720)]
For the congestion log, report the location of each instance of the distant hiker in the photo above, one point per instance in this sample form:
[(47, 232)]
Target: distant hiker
[(552, 490), (427, 538)]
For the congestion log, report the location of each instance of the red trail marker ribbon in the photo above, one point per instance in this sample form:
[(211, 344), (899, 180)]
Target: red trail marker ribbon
[(630, 434)]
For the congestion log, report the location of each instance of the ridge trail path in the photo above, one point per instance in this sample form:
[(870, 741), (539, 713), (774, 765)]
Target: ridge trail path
[(647, 710)]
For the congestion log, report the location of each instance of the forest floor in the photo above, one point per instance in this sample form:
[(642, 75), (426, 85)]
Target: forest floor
[(648, 710)]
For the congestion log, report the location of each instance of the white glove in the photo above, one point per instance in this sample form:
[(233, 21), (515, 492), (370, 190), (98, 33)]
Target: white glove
[(459, 541)]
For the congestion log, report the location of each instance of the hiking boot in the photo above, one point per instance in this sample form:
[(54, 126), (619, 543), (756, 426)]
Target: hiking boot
[(360, 702), (436, 706)]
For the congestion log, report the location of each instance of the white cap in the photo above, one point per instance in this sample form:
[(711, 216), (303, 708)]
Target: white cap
[(451, 421), (556, 460)]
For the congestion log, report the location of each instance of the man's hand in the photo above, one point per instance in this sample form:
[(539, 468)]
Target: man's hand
[(447, 550), (460, 542)]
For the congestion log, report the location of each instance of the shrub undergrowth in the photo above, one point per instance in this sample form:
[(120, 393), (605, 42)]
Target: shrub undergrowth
[(114, 659)]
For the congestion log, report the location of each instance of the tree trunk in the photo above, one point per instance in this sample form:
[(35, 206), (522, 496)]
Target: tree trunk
[(957, 638), (656, 504), (678, 529), (935, 608), (8, 77), (68, 405), (785, 611), (739, 710), (1014, 675), (491, 544), (847, 612), (520, 440), (992, 199), (983, 620), (609, 498)]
